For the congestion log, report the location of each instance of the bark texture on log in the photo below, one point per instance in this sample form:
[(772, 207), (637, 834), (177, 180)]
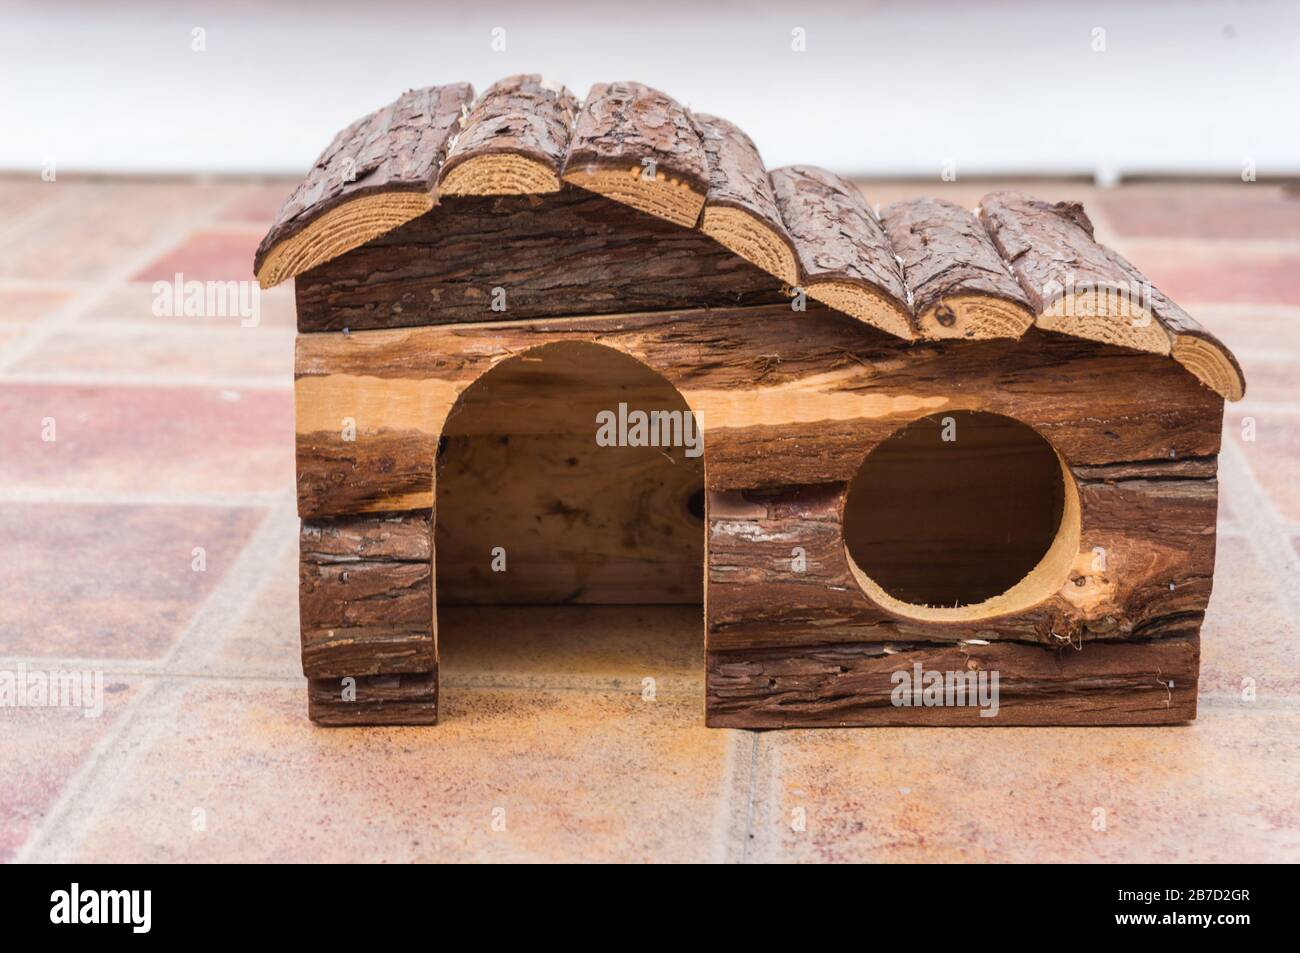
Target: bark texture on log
[(514, 141), (638, 147), (376, 174), (678, 260), (1137, 683), (406, 699), (778, 572), (1194, 468), (567, 253), (740, 210), (784, 400), (1085, 289), (789, 413), (366, 595), (635, 145), (959, 284), (845, 259)]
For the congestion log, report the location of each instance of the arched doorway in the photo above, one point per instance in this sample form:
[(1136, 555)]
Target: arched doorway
[(569, 490)]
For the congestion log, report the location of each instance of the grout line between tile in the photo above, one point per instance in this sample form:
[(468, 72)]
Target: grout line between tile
[(1247, 312), (281, 382), (37, 333), (114, 669), (1267, 246), (71, 817), (68, 314), (753, 796), (1263, 355), (77, 285), (733, 805), (37, 214), (1228, 701), (1249, 406), (63, 827), (65, 497), (233, 596), (1263, 527)]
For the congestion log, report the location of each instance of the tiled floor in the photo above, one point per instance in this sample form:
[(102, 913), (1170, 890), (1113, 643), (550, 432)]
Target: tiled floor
[(148, 530)]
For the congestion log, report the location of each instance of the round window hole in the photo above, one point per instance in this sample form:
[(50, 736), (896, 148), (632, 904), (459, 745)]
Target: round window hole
[(961, 516)]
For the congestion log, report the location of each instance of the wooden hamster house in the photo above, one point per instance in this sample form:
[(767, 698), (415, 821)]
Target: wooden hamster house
[(933, 440)]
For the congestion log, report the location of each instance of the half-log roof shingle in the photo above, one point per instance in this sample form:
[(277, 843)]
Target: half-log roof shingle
[(921, 269)]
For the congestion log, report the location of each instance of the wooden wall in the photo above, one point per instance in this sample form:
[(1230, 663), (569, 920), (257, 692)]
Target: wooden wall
[(791, 403)]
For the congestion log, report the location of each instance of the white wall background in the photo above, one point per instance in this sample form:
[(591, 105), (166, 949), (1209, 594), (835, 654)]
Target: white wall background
[(884, 88)]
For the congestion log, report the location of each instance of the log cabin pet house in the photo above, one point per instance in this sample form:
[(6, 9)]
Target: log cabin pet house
[(934, 440)]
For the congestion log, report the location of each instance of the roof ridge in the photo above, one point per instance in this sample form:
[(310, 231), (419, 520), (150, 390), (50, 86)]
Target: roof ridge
[(921, 269)]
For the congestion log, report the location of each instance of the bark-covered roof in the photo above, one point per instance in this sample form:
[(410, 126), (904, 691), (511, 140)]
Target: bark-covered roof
[(921, 269)]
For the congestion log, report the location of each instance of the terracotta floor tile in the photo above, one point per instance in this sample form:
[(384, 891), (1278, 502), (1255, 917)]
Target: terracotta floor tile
[(573, 775), (104, 228), (968, 192), (264, 641), (224, 254), (883, 194), (1242, 211), (572, 646), (44, 747), (1222, 789), (1270, 382), (1196, 274), (140, 439), (1248, 632), (167, 353), (28, 305), (1273, 456), (134, 302), (9, 336), (24, 196), (1227, 518), (110, 582), (1270, 332), (543, 711), (258, 204)]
